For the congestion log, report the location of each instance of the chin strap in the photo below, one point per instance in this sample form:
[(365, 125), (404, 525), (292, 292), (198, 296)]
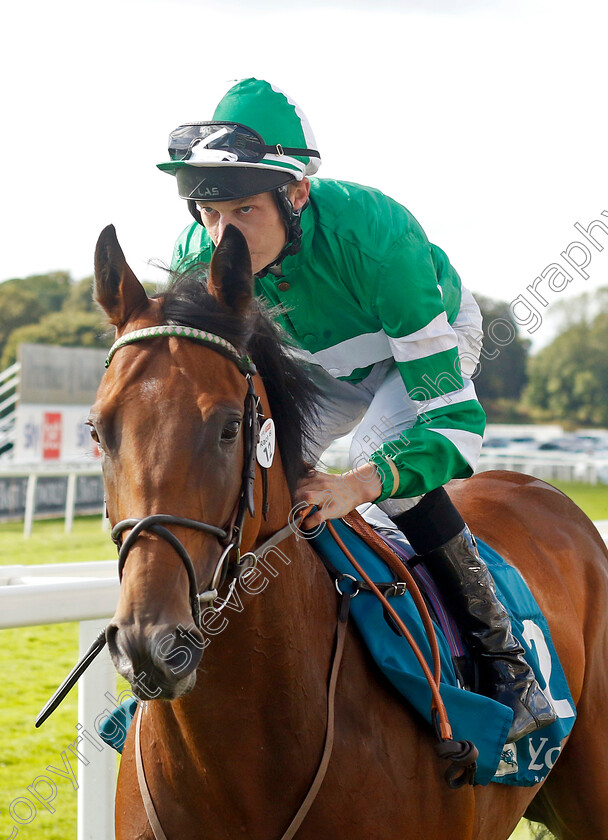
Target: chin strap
[(194, 211), (291, 220)]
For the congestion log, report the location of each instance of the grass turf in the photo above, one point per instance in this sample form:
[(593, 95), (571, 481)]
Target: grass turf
[(592, 498), (50, 544), (34, 660)]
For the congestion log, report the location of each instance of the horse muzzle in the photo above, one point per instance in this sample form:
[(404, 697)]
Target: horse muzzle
[(158, 662)]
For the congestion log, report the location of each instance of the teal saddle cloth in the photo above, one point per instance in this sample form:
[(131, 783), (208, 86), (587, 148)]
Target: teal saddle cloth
[(473, 717)]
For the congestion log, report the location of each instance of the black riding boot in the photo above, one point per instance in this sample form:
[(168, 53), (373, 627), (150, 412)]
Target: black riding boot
[(465, 581)]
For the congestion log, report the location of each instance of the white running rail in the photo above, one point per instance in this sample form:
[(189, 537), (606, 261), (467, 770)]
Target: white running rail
[(53, 594)]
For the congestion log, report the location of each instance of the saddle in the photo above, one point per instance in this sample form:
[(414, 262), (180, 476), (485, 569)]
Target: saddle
[(382, 560), (390, 543)]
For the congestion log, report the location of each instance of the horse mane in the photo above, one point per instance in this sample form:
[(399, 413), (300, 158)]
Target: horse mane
[(292, 396)]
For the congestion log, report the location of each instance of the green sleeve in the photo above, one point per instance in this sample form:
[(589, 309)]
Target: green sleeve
[(440, 446), (445, 441)]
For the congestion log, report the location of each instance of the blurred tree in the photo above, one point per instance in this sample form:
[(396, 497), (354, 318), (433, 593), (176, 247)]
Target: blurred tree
[(51, 309), (502, 371), (80, 329), (15, 311), (80, 297), (568, 379), (51, 289), (25, 301)]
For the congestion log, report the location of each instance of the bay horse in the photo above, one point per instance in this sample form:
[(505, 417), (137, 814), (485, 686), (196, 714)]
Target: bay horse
[(232, 736)]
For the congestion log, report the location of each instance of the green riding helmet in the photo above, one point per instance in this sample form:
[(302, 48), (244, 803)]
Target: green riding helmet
[(258, 141)]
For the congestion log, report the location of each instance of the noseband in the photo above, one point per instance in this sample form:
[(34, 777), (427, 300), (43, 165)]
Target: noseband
[(229, 536)]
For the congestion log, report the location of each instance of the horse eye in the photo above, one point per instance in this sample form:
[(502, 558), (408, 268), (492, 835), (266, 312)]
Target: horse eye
[(94, 434), (231, 430)]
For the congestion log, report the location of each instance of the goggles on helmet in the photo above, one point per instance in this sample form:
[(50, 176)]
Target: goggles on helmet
[(229, 141)]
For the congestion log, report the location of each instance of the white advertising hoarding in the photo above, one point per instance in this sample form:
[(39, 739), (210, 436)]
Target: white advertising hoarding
[(53, 434), (56, 390)]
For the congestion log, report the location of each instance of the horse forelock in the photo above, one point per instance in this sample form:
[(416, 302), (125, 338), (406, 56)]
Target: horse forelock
[(292, 396)]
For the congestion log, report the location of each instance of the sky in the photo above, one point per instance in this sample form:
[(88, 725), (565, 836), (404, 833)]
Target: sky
[(485, 118)]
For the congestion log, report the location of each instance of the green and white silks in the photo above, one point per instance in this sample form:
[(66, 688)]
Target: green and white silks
[(366, 286)]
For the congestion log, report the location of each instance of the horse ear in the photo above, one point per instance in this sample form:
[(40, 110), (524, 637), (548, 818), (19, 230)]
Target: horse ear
[(116, 289), (230, 274)]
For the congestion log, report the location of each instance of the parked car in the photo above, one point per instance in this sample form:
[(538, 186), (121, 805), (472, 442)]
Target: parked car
[(569, 443), (515, 444)]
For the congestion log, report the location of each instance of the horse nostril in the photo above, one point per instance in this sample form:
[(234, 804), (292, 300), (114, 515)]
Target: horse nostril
[(124, 649), (180, 651), (111, 632), (159, 661)]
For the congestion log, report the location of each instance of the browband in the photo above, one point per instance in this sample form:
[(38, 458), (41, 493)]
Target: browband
[(177, 331)]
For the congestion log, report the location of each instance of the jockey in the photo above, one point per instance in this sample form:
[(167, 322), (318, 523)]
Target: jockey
[(392, 337)]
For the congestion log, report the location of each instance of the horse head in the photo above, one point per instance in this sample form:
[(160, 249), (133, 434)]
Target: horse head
[(171, 420)]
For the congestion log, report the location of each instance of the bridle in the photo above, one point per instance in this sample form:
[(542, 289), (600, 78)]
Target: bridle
[(229, 536)]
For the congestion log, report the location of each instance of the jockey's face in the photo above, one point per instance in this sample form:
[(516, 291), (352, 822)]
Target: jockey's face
[(258, 219)]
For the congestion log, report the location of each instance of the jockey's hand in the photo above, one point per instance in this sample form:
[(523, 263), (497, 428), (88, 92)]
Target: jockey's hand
[(337, 495)]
